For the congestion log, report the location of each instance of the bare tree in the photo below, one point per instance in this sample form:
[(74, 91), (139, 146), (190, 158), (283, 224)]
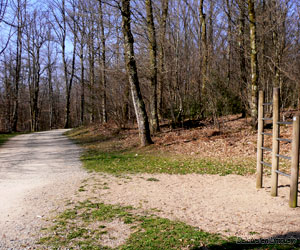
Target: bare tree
[(60, 15), (138, 102), (153, 65), (162, 45), (103, 61), (36, 35), (50, 67), (254, 63), (206, 59), (204, 64), (242, 57), (20, 6), (3, 8)]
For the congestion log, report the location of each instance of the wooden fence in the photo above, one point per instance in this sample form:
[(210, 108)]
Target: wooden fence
[(276, 139)]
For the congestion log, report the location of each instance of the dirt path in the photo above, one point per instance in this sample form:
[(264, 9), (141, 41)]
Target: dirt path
[(37, 172)]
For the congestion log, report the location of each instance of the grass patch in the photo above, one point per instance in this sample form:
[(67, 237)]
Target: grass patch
[(6, 137), (150, 232), (75, 228), (109, 154), (152, 179), (131, 162)]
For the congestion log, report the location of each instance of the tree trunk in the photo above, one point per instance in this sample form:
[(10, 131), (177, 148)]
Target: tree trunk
[(138, 102), (204, 63), (229, 37), (18, 67), (68, 81), (162, 70), (179, 116), (242, 58), (37, 89), (8, 99), (275, 41), (50, 90), (125, 108), (82, 94), (103, 64), (69, 88), (254, 64), (153, 66)]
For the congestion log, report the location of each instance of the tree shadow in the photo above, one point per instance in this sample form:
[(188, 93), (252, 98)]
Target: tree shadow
[(282, 186), (289, 240)]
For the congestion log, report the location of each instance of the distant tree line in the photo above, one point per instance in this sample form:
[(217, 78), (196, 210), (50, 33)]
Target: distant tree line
[(66, 63)]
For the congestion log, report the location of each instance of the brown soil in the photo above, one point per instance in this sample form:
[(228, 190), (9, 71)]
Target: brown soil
[(234, 138)]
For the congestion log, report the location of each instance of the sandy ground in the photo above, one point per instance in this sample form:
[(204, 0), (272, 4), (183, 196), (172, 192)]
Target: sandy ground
[(229, 205), (37, 172)]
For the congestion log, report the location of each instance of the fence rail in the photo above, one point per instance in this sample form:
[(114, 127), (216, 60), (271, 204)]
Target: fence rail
[(294, 158), (285, 123), (267, 103)]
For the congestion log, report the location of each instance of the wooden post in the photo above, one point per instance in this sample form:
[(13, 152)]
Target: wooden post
[(260, 142), (295, 162), (275, 142)]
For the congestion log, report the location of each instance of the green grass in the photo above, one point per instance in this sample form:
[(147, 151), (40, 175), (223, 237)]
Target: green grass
[(104, 154), (150, 232), (132, 162), (75, 228), (6, 137)]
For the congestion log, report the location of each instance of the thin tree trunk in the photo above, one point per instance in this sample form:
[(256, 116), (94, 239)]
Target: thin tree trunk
[(69, 81), (36, 89), (82, 94), (179, 117), (210, 38), (18, 67), (103, 64), (8, 93), (204, 64), (63, 47), (275, 41), (69, 88), (125, 108), (138, 102), (229, 35), (92, 76), (50, 97), (162, 69), (254, 63), (7, 96), (153, 66), (241, 44)]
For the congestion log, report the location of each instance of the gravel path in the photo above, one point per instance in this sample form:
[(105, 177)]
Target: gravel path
[(229, 205), (37, 173)]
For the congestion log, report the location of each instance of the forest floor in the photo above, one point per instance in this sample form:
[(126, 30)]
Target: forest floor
[(193, 189)]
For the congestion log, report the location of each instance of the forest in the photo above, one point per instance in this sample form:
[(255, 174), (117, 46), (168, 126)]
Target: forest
[(69, 63)]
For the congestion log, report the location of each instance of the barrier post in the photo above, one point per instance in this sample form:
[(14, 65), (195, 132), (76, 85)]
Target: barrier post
[(275, 143), (295, 162), (259, 165)]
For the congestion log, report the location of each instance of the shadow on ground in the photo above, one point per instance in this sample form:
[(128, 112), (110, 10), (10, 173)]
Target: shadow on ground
[(290, 240)]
